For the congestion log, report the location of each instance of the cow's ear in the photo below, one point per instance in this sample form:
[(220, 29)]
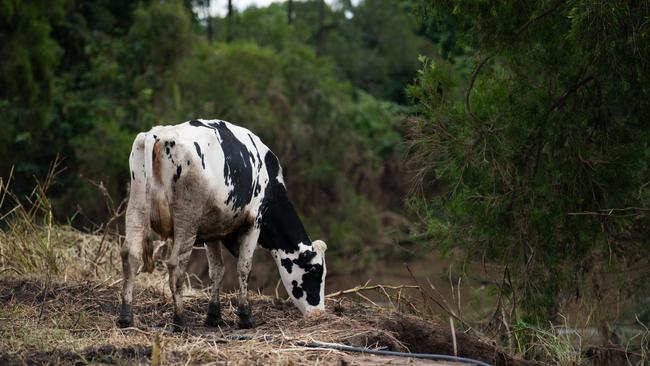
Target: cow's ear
[(320, 246)]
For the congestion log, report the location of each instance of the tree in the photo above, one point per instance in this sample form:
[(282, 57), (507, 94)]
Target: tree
[(29, 58), (375, 44), (289, 11), (83, 80), (541, 153), (117, 78)]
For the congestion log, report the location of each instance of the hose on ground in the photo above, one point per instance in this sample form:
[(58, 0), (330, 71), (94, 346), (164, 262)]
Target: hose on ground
[(342, 347)]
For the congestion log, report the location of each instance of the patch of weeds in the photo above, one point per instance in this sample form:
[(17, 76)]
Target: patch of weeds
[(32, 244), (548, 345)]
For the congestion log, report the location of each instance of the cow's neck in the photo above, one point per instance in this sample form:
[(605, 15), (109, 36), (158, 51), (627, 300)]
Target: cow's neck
[(301, 267)]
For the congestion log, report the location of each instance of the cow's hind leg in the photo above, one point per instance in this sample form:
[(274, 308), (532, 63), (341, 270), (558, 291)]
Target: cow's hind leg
[(216, 270), (176, 266), (248, 242), (137, 230), (131, 253)]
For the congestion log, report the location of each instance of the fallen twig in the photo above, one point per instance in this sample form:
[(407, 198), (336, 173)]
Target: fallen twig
[(366, 288)]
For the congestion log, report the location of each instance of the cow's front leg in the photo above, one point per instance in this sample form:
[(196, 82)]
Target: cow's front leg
[(248, 242), (216, 270), (176, 266)]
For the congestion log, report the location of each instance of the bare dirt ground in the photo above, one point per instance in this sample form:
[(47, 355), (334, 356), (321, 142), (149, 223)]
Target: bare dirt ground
[(55, 322)]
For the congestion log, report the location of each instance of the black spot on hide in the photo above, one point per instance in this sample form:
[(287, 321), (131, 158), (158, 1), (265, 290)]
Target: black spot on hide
[(311, 282), (280, 226), (238, 167), (168, 146), (259, 159), (304, 258), (132, 175), (179, 169), (286, 263), (296, 291), (198, 152)]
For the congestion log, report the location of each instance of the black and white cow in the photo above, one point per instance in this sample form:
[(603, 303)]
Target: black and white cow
[(211, 182)]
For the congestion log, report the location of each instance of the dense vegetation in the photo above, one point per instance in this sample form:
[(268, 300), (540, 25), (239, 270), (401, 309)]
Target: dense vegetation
[(541, 150), (80, 78), (526, 123)]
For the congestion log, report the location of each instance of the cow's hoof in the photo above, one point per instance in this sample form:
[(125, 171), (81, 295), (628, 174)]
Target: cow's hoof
[(215, 322), (213, 318), (179, 324), (245, 318), (245, 323), (126, 316)]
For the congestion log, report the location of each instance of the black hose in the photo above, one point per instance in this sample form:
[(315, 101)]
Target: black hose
[(342, 347)]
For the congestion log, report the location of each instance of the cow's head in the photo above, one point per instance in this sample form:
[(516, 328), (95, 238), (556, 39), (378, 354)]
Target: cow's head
[(303, 274)]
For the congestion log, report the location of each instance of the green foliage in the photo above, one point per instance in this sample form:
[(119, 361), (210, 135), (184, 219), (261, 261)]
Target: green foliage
[(29, 56), (550, 138), (115, 68), (159, 36), (387, 58), (375, 45), (125, 81), (377, 126), (263, 26)]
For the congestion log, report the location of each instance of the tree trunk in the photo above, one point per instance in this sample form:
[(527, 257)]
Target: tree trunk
[(321, 27), (229, 22), (289, 11), (209, 29)]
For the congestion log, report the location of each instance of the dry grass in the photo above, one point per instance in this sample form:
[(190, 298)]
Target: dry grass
[(71, 322), (45, 321), (30, 242), (59, 296)]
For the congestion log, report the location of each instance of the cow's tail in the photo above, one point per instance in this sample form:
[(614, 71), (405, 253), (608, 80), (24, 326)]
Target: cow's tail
[(148, 247)]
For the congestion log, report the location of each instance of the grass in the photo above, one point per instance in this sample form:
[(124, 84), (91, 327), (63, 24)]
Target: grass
[(548, 345), (30, 242)]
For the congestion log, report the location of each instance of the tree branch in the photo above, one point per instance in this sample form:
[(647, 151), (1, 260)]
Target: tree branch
[(478, 68), (480, 65), (560, 102), (532, 20)]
